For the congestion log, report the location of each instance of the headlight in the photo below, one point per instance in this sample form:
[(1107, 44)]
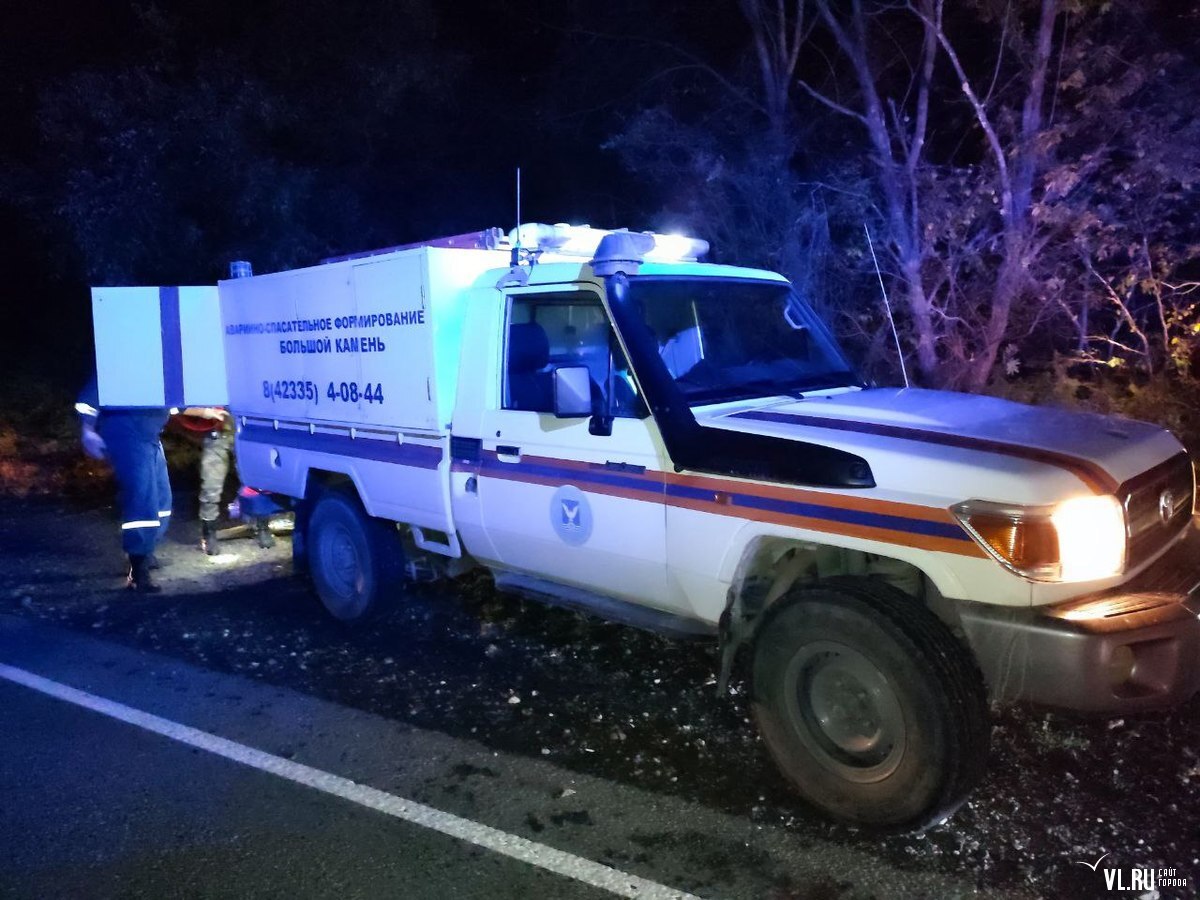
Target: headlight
[(1076, 540)]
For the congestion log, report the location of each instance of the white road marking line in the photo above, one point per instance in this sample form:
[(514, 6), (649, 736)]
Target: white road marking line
[(566, 864)]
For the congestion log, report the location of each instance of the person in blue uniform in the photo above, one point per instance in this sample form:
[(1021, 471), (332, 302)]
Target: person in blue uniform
[(129, 440)]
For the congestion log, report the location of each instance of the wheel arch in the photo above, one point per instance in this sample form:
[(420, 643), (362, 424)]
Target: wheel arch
[(317, 481), (763, 564)]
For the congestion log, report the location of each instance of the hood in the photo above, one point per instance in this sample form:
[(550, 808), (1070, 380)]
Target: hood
[(1100, 451)]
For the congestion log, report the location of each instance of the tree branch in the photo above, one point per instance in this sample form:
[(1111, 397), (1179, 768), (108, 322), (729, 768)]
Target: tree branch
[(832, 104), (981, 114), (1125, 314)]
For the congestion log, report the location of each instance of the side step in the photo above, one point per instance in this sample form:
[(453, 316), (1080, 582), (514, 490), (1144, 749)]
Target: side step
[(610, 608)]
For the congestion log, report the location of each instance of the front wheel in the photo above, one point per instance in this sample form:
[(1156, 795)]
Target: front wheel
[(355, 561), (869, 705)]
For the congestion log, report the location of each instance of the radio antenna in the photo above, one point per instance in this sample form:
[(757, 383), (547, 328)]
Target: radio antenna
[(887, 304), (516, 250)]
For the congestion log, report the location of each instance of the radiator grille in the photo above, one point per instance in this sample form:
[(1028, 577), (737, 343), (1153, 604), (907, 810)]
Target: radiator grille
[(1158, 504)]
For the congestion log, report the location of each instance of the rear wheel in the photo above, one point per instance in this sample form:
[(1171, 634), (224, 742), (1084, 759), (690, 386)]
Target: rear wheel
[(869, 705), (355, 560)]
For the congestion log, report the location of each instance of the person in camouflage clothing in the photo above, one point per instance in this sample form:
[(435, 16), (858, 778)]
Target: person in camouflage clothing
[(215, 457), (214, 467)]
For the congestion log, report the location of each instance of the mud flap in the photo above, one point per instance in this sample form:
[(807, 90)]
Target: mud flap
[(733, 633)]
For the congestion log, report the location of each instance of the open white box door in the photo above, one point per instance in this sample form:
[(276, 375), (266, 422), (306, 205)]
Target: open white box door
[(159, 347)]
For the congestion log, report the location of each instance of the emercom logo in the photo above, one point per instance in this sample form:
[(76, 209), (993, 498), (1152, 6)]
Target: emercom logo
[(1138, 878)]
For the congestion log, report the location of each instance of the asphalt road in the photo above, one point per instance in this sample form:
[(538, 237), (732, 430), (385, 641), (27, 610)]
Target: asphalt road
[(590, 741), (97, 807)]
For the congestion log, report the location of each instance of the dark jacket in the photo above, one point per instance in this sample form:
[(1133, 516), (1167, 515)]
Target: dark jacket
[(120, 423)]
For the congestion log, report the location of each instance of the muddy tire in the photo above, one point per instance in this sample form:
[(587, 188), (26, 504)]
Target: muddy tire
[(869, 705), (355, 561)]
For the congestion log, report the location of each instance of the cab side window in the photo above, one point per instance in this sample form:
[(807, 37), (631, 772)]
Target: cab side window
[(547, 331)]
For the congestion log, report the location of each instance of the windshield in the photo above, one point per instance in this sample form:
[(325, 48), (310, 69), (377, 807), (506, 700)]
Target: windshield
[(726, 339)]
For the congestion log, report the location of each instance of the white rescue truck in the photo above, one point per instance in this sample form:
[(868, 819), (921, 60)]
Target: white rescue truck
[(604, 422)]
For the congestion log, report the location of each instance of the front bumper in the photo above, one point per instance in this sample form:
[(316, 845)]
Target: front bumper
[(1133, 648)]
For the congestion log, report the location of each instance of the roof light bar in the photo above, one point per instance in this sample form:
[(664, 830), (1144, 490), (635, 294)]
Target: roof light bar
[(677, 248), (606, 247), (577, 241)]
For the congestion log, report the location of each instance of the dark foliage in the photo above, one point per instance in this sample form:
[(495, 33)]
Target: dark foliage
[(1037, 230)]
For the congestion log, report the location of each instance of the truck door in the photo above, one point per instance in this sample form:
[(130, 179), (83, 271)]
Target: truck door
[(558, 501)]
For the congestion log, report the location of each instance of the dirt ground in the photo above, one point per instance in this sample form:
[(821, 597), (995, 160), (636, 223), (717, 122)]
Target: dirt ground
[(608, 700)]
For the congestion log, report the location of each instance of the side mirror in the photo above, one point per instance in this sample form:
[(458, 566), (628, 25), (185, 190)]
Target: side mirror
[(572, 392)]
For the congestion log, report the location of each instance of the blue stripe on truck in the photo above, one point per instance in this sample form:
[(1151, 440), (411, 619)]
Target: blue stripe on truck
[(172, 346), (420, 456), (949, 530)]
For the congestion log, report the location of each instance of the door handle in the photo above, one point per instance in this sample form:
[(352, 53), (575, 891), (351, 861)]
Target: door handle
[(625, 467), (508, 453)]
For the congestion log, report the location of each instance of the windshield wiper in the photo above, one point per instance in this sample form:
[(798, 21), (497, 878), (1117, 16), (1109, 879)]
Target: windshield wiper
[(744, 390), (770, 387), (825, 382)]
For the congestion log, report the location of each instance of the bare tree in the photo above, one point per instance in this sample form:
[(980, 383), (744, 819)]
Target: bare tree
[(779, 30), (997, 177), (1017, 164), (956, 331), (897, 138)]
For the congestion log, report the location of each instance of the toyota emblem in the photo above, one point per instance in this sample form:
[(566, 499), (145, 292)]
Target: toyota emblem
[(1166, 506)]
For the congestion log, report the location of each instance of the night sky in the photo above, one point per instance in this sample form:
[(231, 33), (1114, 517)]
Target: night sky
[(368, 124), (152, 143)]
